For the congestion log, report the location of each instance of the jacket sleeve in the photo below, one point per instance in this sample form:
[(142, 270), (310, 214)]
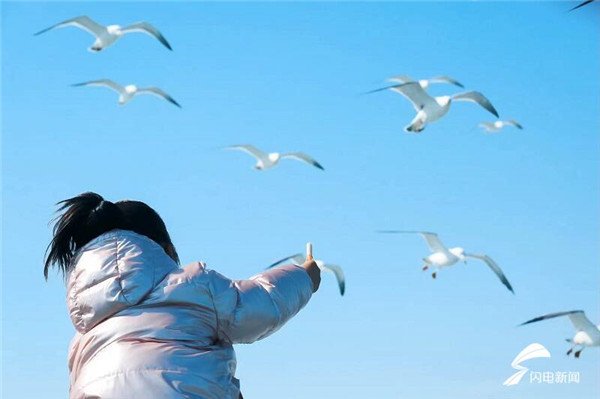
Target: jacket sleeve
[(249, 310)]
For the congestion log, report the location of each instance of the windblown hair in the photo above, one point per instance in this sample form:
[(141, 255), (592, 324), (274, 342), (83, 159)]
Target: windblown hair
[(88, 216)]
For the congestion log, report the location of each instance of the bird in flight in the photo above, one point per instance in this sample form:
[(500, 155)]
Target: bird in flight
[(587, 334), (430, 109), (267, 161), (126, 93), (298, 259), (106, 36), (492, 127), (425, 83), (441, 256)]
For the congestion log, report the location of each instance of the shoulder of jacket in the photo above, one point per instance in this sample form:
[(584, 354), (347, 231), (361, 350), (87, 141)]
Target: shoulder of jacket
[(193, 273)]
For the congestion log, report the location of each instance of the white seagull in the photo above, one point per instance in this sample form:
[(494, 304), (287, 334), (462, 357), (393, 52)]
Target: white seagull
[(430, 109), (108, 35), (445, 257), (126, 93), (425, 83), (267, 161), (587, 333), (492, 127), (298, 259)]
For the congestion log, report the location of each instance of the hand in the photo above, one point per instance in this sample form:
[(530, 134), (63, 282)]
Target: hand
[(313, 272)]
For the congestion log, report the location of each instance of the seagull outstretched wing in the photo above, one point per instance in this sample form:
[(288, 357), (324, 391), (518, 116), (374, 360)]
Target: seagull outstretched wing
[(476, 97), (249, 149), (144, 27), (488, 126), (82, 22), (577, 318), (414, 93), (445, 79), (512, 122), (584, 3), (296, 259), (103, 82), (300, 156), (158, 92), (339, 275), (401, 79), (495, 268)]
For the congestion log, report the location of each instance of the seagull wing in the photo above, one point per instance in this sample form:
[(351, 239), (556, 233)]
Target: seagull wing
[(401, 79), (103, 82), (296, 259), (249, 149), (476, 97), (158, 92), (339, 275), (581, 322), (414, 93), (82, 22), (577, 318), (446, 79), (495, 268), (433, 241), (144, 27), (487, 125), (304, 158), (513, 123), (581, 4)]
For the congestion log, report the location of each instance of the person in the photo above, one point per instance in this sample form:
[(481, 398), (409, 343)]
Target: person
[(146, 327)]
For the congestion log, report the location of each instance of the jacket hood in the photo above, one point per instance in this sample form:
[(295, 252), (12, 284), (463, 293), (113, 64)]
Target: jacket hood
[(112, 272)]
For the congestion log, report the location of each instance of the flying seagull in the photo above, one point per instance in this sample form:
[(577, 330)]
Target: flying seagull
[(126, 93), (298, 259), (444, 257), (492, 127), (267, 161), (425, 83), (584, 3), (587, 333), (108, 35), (430, 109)]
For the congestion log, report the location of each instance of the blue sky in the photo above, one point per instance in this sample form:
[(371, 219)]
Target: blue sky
[(289, 77)]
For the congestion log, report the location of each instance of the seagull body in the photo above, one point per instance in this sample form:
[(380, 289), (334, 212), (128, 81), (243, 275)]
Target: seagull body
[(425, 83), (126, 93), (492, 127), (298, 259), (430, 109), (441, 256), (108, 35), (266, 161), (587, 334)]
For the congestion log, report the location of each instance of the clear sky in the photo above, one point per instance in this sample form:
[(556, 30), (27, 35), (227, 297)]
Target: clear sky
[(289, 77)]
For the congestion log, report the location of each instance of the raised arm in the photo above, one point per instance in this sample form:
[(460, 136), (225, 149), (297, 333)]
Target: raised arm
[(249, 310)]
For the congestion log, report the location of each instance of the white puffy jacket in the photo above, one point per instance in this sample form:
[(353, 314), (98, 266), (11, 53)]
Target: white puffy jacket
[(147, 328)]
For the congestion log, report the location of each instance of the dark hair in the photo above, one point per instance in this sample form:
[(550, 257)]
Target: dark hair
[(88, 216), (139, 217)]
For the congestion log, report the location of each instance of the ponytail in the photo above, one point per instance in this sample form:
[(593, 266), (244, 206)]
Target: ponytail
[(83, 218)]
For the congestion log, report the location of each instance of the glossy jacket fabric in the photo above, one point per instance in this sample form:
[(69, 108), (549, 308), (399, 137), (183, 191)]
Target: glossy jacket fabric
[(147, 328)]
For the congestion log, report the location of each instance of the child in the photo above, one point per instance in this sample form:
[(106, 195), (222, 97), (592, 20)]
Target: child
[(147, 328)]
